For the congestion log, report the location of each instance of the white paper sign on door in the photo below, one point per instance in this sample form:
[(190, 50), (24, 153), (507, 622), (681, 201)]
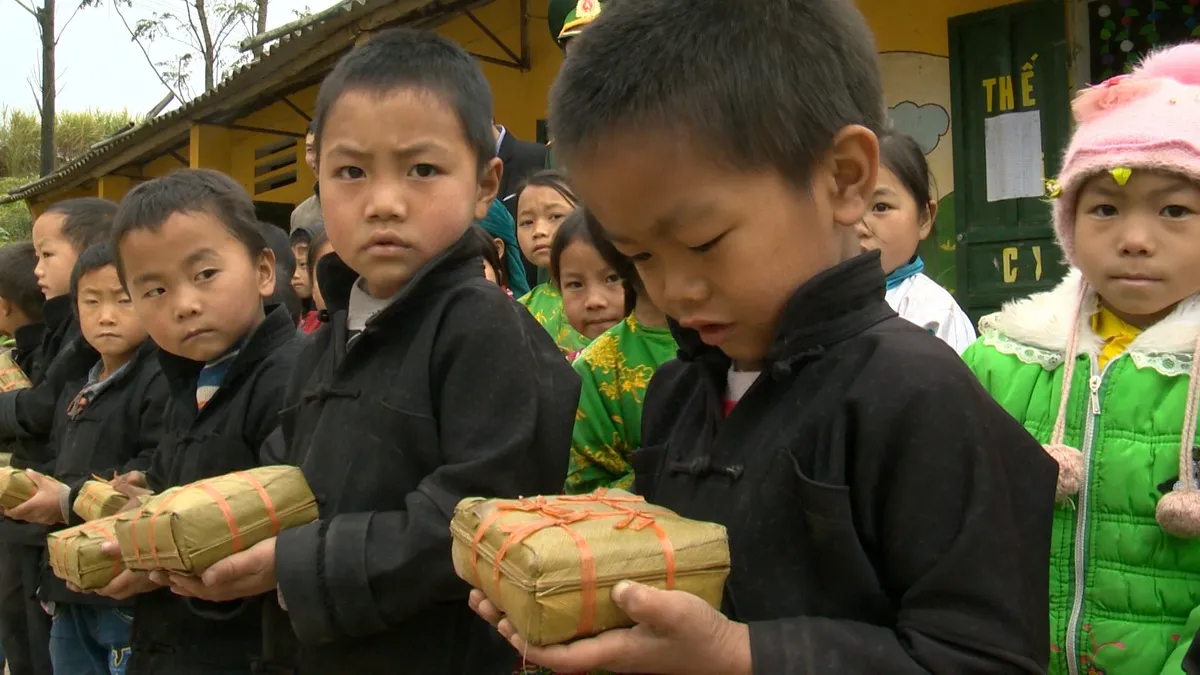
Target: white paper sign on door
[(1014, 156)]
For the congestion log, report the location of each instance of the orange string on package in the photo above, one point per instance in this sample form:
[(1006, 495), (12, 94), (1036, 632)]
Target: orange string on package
[(561, 517), (61, 544)]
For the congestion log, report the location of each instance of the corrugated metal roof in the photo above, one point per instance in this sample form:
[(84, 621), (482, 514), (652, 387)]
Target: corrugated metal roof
[(237, 81)]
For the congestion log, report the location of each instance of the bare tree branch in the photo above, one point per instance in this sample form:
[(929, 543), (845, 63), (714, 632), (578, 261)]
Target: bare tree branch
[(27, 8), (68, 23), (146, 54)]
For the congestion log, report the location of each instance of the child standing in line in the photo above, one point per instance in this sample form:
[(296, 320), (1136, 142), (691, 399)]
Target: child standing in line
[(109, 422), (317, 249), (303, 237), (593, 294), (865, 500), (1105, 370), (500, 225), (196, 265), (615, 370), (543, 204), (401, 408), (493, 269), (20, 300), (60, 234), (902, 215)]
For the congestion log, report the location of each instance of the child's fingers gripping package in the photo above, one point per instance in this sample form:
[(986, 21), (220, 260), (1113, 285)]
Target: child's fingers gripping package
[(98, 499), (188, 528), (549, 563), (76, 556), (12, 377)]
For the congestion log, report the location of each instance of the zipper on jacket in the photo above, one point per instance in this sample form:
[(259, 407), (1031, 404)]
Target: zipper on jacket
[(1081, 515)]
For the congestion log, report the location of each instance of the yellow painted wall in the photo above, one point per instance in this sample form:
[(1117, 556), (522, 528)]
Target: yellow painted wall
[(166, 163), (279, 116)]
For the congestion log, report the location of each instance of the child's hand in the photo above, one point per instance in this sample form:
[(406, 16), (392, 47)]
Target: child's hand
[(45, 506), (241, 575), (676, 632), (134, 478)]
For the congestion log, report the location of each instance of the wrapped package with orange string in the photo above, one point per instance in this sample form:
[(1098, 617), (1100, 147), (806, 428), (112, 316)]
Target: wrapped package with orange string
[(75, 554), (98, 499), (16, 487), (12, 377), (549, 563), (188, 528)]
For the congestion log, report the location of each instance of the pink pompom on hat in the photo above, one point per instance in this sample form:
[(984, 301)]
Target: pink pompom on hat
[(1149, 119)]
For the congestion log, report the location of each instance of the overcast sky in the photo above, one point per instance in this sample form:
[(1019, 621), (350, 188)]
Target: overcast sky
[(98, 65)]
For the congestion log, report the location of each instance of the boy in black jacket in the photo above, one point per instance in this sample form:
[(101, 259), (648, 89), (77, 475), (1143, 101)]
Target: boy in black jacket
[(884, 514), (197, 268), (108, 422), (60, 234), (427, 386)]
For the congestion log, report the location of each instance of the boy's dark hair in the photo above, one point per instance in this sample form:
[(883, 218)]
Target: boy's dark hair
[(422, 60), (149, 205), (18, 284), (550, 178), (94, 258), (758, 83), (486, 247), (87, 221), (622, 264), (901, 155), (285, 260), (310, 256)]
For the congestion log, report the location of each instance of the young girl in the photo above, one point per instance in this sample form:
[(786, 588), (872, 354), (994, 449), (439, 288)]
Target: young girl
[(1105, 370), (493, 269), (317, 249), (615, 369), (542, 204), (502, 232), (902, 215), (593, 295)]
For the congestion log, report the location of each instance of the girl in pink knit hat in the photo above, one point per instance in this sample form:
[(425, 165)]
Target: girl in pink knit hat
[(1105, 371)]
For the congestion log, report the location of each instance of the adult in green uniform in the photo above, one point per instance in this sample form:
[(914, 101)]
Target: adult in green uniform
[(567, 19)]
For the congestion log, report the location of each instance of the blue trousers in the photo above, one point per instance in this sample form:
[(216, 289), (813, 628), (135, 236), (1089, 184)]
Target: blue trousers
[(89, 640)]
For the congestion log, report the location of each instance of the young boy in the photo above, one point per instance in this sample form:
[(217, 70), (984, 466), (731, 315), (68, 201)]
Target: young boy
[(884, 514), (428, 385), (21, 300), (197, 268), (303, 235), (60, 234), (108, 422)]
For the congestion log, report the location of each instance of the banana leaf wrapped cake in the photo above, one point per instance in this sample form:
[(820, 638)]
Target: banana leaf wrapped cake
[(549, 563), (98, 499), (186, 529), (12, 377), (16, 487), (75, 554)]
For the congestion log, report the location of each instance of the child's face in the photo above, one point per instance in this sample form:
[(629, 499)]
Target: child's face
[(540, 210), (106, 315), (593, 296), (1138, 244), (11, 318), (310, 151), (399, 183), (300, 282), (318, 299), (722, 250), (195, 286), (55, 253), (895, 223)]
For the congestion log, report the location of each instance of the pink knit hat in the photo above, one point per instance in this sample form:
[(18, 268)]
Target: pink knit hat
[(1149, 119)]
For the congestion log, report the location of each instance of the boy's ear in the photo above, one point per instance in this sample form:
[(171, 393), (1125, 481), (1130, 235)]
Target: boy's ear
[(853, 163), (499, 244), (264, 269), (489, 185)]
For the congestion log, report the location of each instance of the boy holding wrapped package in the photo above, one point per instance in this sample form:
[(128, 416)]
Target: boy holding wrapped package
[(884, 515), (109, 422), (197, 269), (401, 407), (64, 231)]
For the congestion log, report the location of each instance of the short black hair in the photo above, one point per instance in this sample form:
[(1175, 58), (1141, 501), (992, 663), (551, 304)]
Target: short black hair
[(757, 83), (149, 205), (18, 284), (900, 154), (485, 246), (405, 58), (553, 179), (87, 221), (94, 258), (572, 229), (622, 264)]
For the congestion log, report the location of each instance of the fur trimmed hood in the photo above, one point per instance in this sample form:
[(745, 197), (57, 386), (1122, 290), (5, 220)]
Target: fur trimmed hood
[(1043, 320)]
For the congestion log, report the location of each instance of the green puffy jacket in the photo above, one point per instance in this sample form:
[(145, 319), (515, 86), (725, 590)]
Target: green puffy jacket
[(1124, 594)]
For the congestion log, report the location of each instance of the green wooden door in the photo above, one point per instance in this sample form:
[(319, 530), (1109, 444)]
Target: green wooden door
[(1008, 85)]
